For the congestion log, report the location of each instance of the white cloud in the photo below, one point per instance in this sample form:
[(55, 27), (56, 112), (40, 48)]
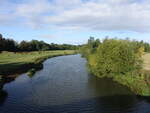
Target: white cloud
[(32, 8), (132, 16), (118, 15), (47, 36)]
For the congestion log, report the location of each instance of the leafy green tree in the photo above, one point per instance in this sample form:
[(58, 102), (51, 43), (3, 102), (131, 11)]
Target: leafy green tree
[(1, 42), (24, 46), (7, 44), (114, 57), (90, 47)]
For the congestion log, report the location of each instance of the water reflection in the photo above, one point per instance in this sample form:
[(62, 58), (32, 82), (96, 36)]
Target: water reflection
[(3, 93), (3, 96), (144, 98), (114, 97), (107, 87)]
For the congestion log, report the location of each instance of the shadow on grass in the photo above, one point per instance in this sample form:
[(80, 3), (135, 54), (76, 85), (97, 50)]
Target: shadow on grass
[(17, 68)]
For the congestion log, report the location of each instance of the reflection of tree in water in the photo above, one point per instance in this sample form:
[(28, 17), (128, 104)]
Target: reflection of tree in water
[(107, 87), (117, 103), (112, 96), (3, 94), (146, 98)]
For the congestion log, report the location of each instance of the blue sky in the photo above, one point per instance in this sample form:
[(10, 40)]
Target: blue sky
[(74, 21)]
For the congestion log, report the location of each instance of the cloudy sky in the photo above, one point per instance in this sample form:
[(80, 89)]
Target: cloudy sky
[(73, 21)]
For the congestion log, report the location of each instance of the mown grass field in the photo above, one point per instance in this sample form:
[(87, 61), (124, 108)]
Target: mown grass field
[(11, 63), (146, 61)]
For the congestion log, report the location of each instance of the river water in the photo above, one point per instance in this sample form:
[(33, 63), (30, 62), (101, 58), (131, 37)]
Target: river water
[(64, 86)]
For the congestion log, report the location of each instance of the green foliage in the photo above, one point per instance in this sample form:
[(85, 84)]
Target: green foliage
[(116, 56), (90, 47), (141, 44), (31, 72), (7, 44), (136, 84), (120, 60)]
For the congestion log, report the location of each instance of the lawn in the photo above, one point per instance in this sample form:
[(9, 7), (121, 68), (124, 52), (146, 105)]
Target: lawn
[(11, 63)]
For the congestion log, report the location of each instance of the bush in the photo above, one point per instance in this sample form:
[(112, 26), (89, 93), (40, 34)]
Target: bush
[(114, 57)]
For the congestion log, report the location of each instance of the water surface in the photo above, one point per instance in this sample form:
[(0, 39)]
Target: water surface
[(64, 86)]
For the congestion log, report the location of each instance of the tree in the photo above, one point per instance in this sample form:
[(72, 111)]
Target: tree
[(114, 57), (1, 36), (90, 47), (34, 45), (24, 46), (1, 43)]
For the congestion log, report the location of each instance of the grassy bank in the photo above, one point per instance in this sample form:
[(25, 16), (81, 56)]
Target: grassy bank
[(138, 82), (16, 63)]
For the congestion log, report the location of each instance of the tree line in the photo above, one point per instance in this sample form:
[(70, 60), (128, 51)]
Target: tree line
[(34, 45)]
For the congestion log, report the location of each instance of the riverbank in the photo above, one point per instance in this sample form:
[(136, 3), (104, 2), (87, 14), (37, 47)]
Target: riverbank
[(138, 82), (12, 64), (124, 61)]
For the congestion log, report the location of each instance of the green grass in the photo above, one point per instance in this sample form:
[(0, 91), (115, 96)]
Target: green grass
[(11, 63), (136, 83)]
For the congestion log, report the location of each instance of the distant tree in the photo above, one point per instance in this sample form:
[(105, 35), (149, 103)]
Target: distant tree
[(90, 47), (1, 43), (1, 36), (34, 45), (10, 45), (24, 46)]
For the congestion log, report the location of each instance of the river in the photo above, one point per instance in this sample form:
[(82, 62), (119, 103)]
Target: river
[(65, 86)]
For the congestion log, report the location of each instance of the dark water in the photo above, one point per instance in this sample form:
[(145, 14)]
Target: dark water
[(64, 86)]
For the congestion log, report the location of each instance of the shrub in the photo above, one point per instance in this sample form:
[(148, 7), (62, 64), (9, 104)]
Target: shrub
[(114, 57)]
